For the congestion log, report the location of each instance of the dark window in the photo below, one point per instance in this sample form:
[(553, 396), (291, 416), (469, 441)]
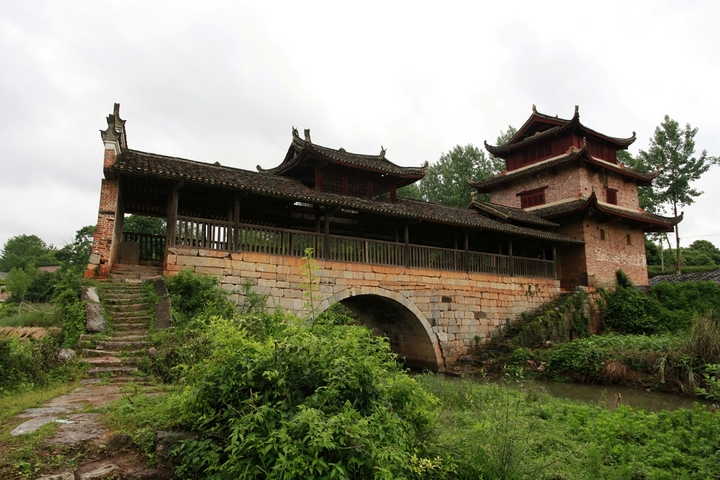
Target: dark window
[(333, 183), (611, 196), (532, 198), (602, 234), (629, 239)]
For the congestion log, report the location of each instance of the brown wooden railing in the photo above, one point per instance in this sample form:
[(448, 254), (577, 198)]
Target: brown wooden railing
[(221, 235), (152, 247)]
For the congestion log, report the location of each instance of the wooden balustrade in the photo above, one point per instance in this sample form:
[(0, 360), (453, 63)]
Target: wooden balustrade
[(220, 235), (152, 247)]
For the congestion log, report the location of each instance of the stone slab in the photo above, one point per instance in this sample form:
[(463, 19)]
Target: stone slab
[(32, 425)]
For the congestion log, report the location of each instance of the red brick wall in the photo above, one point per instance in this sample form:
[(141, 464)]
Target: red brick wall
[(606, 256), (562, 185), (99, 265)]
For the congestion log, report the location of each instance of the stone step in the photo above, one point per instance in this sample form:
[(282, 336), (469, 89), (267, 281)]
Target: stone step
[(114, 371), (130, 326), (93, 352), (123, 345), (105, 361), (135, 308)]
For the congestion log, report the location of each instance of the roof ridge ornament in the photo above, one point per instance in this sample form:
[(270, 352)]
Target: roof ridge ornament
[(307, 136), (534, 108), (114, 135), (382, 151), (295, 132)]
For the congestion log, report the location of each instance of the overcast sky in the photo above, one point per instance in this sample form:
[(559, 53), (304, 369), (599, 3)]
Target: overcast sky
[(226, 80)]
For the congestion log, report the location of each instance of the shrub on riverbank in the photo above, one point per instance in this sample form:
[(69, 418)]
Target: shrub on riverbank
[(492, 431)]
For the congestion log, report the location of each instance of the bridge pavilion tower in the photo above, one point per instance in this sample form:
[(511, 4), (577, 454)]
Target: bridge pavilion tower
[(561, 170)]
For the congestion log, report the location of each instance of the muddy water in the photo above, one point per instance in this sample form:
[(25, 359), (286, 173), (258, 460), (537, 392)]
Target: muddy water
[(607, 396)]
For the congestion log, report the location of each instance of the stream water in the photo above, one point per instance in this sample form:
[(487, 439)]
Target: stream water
[(605, 395)]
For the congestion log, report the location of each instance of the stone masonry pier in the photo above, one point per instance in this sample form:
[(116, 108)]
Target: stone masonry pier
[(430, 316)]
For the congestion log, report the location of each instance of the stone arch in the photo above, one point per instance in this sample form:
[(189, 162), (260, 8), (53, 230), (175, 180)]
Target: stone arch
[(392, 315)]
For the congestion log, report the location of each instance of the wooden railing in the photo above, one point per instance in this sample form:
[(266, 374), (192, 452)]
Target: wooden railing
[(221, 235), (152, 247)]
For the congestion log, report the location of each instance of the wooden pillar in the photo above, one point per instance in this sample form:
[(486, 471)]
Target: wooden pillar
[(326, 254), (172, 214), (407, 245), (467, 251), (510, 253), (236, 225), (555, 263)]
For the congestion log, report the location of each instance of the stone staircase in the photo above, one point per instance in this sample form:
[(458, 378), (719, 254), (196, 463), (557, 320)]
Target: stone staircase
[(134, 273), (129, 312)]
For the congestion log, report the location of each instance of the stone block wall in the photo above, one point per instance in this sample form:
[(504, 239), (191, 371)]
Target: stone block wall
[(453, 307)]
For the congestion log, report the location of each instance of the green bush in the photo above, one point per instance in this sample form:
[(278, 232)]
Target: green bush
[(68, 307), (321, 403), (193, 294), (30, 363)]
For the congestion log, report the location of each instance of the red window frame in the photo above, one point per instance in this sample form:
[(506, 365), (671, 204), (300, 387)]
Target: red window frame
[(532, 198), (611, 195)]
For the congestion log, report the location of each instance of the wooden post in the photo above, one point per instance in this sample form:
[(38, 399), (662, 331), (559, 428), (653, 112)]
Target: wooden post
[(172, 214), (407, 245), (555, 263), (236, 225), (467, 252), (327, 234), (510, 253)]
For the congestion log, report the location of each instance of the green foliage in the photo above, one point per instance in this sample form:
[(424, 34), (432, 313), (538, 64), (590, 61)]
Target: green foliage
[(69, 310), (704, 341), (671, 154), (561, 321), (193, 294), (42, 287), (76, 254), (310, 283), (447, 180), (411, 191), (18, 282), (142, 224), (27, 364), (711, 377), (321, 403), (25, 252)]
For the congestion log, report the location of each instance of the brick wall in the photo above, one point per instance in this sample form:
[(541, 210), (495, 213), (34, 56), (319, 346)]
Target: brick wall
[(453, 307), (622, 247), (561, 185), (99, 263)]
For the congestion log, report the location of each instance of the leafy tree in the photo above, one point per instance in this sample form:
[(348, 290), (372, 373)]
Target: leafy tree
[(18, 282), (502, 139), (447, 180), (26, 251), (77, 253), (671, 154), (142, 224), (704, 248), (411, 191)]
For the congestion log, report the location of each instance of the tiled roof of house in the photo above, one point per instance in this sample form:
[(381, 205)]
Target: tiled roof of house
[(147, 164), (579, 155), (512, 214), (301, 149), (560, 125), (566, 208)]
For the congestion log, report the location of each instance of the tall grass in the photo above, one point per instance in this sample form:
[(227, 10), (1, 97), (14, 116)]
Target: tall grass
[(704, 340)]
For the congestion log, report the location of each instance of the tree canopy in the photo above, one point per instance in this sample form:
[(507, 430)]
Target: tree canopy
[(25, 252), (447, 179), (142, 224), (672, 155)]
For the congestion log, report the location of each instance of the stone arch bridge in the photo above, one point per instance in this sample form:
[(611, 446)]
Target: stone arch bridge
[(430, 316)]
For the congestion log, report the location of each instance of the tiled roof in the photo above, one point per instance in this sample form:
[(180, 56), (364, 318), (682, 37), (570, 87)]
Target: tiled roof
[(560, 125), (148, 164), (512, 214), (483, 186), (299, 150), (713, 276), (573, 206)]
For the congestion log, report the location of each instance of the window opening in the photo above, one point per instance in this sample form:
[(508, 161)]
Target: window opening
[(611, 196)]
